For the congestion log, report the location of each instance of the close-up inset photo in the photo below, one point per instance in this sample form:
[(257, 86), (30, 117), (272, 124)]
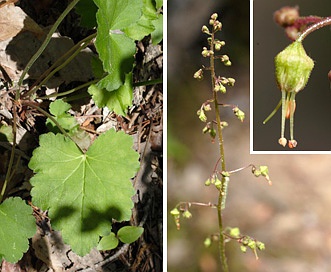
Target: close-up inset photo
[(291, 76)]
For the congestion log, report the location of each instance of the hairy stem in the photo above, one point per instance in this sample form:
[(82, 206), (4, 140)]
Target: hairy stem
[(312, 28), (222, 195)]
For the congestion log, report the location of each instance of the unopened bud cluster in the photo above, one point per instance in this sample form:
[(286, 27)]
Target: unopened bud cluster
[(219, 45), (220, 83), (217, 25), (206, 53), (201, 112), (286, 16), (226, 60)]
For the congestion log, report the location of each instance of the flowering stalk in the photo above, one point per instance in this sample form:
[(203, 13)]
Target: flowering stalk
[(219, 176), (224, 185)]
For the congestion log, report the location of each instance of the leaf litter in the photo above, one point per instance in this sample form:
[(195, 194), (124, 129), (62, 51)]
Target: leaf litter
[(143, 122)]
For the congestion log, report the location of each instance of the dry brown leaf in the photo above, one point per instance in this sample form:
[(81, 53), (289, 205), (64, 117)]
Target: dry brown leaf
[(7, 2), (14, 20)]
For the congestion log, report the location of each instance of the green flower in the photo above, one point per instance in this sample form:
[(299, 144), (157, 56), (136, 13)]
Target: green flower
[(292, 69)]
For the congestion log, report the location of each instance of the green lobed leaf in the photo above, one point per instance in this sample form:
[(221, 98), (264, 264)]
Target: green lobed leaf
[(59, 109), (97, 67), (84, 191), (144, 26), (108, 242), (147, 24), (17, 225), (157, 34), (6, 133), (115, 49), (129, 234), (159, 3), (118, 100)]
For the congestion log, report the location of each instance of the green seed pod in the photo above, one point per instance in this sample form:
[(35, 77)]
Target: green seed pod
[(293, 68)]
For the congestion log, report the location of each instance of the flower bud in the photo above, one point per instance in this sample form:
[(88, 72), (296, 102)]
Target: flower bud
[(187, 214), (292, 32), (224, 124), (218, 184), (260, 245), (205, 29), (225, 58), (220, 88), (207, 107), (205, 129), (286, 15), (202, 115), (231, 81), (293, 68), (239, 113), (214, 16), (205, 52), (198, 74), (218, 46), (243, 249), (217, 26)]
